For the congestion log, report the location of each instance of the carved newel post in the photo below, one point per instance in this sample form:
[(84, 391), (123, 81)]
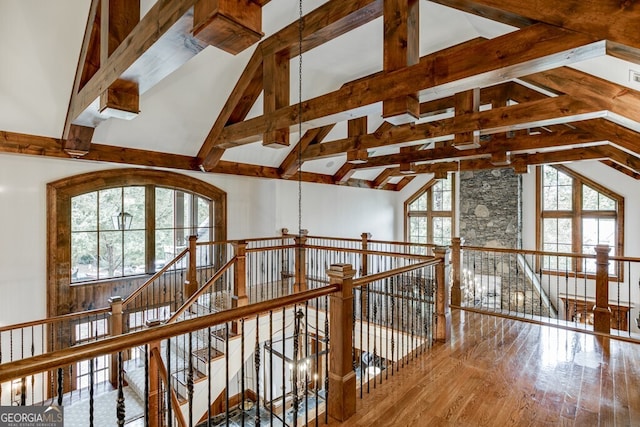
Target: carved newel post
[(602, 312), (240, 274), (342, 378), (191, 284), (443, 313)]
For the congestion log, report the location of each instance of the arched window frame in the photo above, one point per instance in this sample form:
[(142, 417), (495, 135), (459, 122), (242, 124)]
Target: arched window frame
[(576, 216), (429, 213), (65, 297)]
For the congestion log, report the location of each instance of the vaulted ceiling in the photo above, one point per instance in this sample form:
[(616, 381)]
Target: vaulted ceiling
[(390, 89)]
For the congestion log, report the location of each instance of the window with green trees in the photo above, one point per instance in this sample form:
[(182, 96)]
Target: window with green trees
[(429, 213), (575, 215)]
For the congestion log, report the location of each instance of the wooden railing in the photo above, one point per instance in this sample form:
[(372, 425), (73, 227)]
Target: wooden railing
[(291, 332), (590, 292)]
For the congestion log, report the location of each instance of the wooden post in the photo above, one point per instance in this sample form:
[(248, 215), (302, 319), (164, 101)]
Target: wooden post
[(115, 329), (456, 265), (284, 264), (154, 379), (301, 262), (364, 299), (342, 378), (240, 274), (191, 284), (601, 311), (443, 314)]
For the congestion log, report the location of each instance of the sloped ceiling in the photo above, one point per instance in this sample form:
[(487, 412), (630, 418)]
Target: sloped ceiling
[(40, 44)]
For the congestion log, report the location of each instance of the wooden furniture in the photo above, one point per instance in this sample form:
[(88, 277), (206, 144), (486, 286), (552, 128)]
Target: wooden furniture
[(580, 310)]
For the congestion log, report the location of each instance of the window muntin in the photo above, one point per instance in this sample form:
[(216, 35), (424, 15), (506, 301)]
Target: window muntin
[(429, 213), (575, 215)]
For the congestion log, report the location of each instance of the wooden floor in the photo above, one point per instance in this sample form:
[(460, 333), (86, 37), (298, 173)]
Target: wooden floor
[(500, 372)]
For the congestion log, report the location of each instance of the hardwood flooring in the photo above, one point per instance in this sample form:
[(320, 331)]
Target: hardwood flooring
[(501, 372)]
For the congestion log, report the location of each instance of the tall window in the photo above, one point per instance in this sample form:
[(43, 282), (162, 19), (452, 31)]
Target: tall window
[(575, 215), (109, 231), (429, 213)]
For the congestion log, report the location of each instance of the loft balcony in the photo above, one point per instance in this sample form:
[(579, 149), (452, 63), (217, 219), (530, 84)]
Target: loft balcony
[(295, 330)]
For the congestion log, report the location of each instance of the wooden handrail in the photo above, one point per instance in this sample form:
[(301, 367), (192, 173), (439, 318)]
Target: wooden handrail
[(369, 252), (200, 291), (379, 276), (154, 277), (528, 252), (54, 319), (164, 376), (65, 357), (270, 248)]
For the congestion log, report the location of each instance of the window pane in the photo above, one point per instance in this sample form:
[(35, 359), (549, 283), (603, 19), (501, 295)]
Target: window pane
[(134, 202), (565, 198), (134, 251), (420, 204), (165, 249), (441, 231), (84, 212), (589, 199), (164, 208), (550, 199), (418, 229), (84, 247), (446, 201), (110, 205), (605, 203), (110, 262), (204, 228)]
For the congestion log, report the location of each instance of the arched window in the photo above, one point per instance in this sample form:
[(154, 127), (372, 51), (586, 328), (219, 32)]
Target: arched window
[(429, 213), (574, 215), (122, 225)]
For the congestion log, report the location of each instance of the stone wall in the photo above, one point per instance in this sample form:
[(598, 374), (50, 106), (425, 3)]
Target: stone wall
[(491, 208)]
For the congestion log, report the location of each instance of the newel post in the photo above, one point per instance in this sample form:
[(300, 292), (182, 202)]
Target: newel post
[(191, 284), (115, 328), (153, 378), (602, 312), (301, 262), (240, 274), (456, 265), (365, 256), (342, 378), (443, 313)]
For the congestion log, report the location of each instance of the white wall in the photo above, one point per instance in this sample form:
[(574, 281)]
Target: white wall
[(255, 208)]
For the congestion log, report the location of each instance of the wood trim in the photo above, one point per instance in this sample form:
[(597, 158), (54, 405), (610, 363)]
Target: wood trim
[(62, 298)]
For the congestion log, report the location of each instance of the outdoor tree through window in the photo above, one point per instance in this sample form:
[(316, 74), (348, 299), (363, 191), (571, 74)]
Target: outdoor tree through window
[(575, 215)]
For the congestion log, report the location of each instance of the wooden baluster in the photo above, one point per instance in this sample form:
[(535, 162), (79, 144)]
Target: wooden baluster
[(365, 256), (601, 311), (115, 328), (456, 265), (342, 378), (191, 284), (443, 313)]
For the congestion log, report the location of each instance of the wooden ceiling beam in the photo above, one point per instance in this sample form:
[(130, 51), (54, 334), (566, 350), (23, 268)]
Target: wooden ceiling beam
[(621, 157), (291, 163), (615, 98), (89, 60), (344, 174), (383, 178), (603, 20), (323, 24), (561, 140), (401, 48), (620, 168), (275, 95), (153, 25), (515, 54), (521, 116)]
